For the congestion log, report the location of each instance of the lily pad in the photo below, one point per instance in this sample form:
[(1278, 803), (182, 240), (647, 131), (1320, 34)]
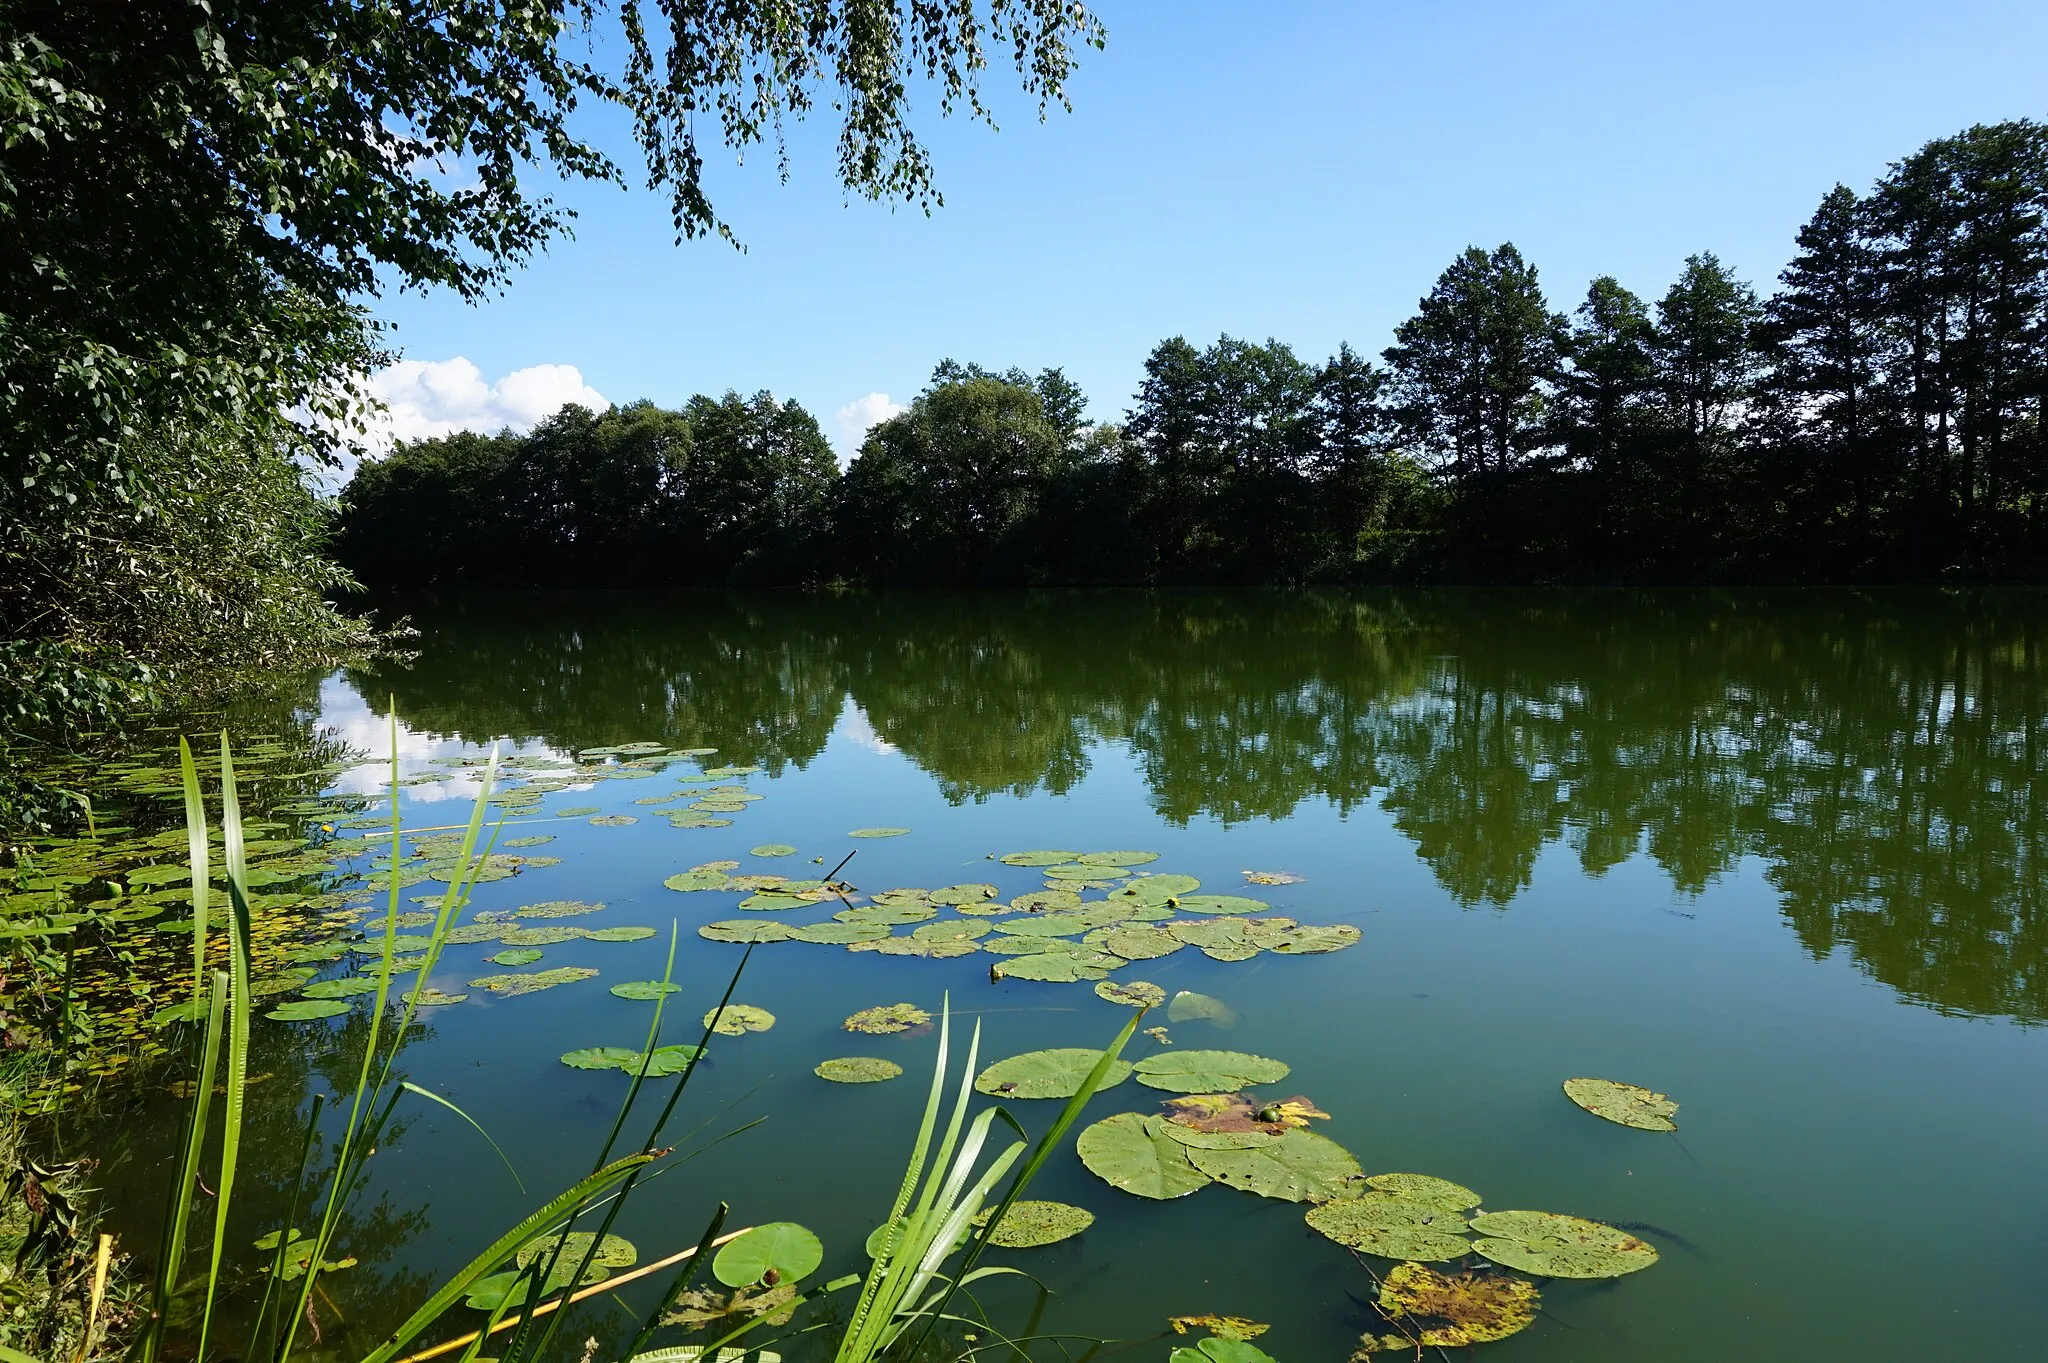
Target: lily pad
[(1623, 1104), (1131, 993), (698, 880), (645, 990), (1128, 1151), (1047, 1074), (628, 933), (1039, 858), (1046, 925), (857, 1069), (1393, 1228), (1219, 904), (512, 985), (1029, 1224), (681, 819), (878, 833), (431, 997), (838, 934), (893, 1017), (1300, 1166), (1157, 889), (515, 956), (1188, 1006), (1215, 1140), (1552, 1245), (1039, 901), (769, 902), (737, 1019), (952, 930), (780, 1247), (578, 811), (1140, 942), (601, 1058), (963, 894), (614, 820), (747, 930), (1208, 1071), (1437, 1192), (307, 1010), (1086, 872), (1294, 939), (541, 937), (1460, 1309), (1055, 967), (1221, 1349), (772, 849), (667, 1060), (468, 934), (530, 840), (339, 989), (1118, 858), (614, 1251), (887, 914), (556, 908)]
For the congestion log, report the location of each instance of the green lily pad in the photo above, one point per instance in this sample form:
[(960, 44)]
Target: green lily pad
[(1140, 942), (916, 946), (1393, 1228), (747, 930), (686, 820), (963, 894), (1119, 858), (578, 811), (431, 997), (1215, 1140), (913, 898), (953, 930), (772, 849), (1552, 1245), (698, 880), (1294, 939), (1188, 1006), (339, 989), (307, 1010), (614, 820), (1005, 945), (645, 990), (1037, 858), (858, 1069), (878, 833), (1299, 1167), (1208, 1071), (1055, 967), (1030, 1223), (1046, 925), (1086, 871), (469, 934), (780, 1247), (887, 914), (1219, 904), (282, 983), (1038, 901), (531, 840), (1157, 889), (1047, 1074), (515, 956), (628, 933), (888, 1018), (191, 1010), (1128, 1151), (667, 1060), (601, 1058), (838, 934), (1131, 993), (737, 1019), (1623, 1104), (719, 806), (614, 1251), (1221, 1348), (512, 985), (1437, 1192), (768, 902)]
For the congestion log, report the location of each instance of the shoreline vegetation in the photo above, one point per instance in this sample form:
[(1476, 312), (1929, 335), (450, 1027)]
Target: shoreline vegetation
[(1881, 418)]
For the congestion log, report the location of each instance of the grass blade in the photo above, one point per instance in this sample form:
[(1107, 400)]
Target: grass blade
[(430, 1095), (238, 1028)]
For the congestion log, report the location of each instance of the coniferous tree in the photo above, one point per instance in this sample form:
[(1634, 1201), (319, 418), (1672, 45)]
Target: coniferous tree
[(1705, 368)]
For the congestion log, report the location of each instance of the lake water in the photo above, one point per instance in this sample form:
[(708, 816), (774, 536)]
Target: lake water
[(1781, 856)]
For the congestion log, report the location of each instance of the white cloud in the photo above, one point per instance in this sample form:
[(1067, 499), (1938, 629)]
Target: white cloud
[(856, 417), (436, 397)]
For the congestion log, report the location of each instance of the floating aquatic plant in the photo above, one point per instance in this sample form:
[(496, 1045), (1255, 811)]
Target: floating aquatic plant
[(1623, 1104), (1055, 1073), (857, 1069)]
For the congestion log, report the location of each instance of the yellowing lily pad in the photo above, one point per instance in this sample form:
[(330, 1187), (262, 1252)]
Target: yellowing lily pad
[(1040, 858), (1623, 1104), (1128, 1151), (1131, 993), (1458, 1310), (1029, 1224), (1047, 1074), (1393, 1227), (1437, 1192), (737, 1019), (893, 1017), (858, 1069), (511, 985)]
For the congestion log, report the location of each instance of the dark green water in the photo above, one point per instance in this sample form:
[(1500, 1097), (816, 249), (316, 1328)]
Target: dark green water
[(1781, 856)]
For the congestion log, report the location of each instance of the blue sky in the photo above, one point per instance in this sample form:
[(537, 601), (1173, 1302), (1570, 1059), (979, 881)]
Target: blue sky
[(1293, 170)]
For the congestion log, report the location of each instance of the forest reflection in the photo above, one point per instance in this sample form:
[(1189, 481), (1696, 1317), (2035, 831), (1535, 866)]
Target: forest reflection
[(1878, 751)]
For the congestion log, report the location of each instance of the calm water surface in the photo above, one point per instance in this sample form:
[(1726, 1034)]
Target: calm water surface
[(1781, 856)]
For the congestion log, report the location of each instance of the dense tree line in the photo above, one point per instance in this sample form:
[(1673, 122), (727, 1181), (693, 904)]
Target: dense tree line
[(1882, 416)]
